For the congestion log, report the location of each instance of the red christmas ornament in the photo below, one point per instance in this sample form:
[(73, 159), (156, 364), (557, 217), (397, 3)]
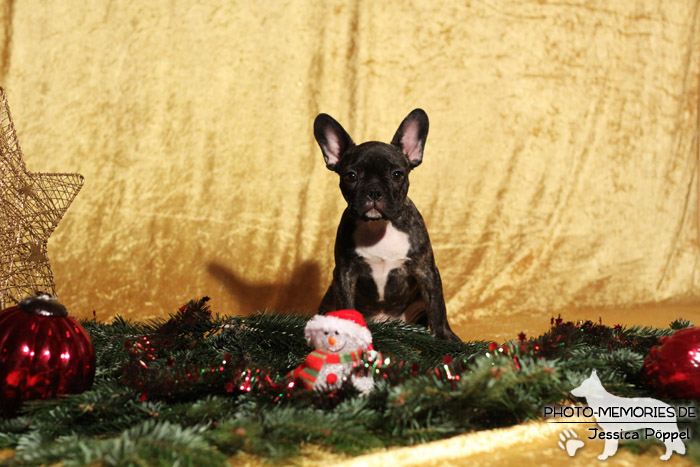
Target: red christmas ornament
[(43, 353), (673, 367)]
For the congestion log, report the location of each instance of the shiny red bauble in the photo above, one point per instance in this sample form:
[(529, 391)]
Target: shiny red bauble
[(673, 367), (43, 353)]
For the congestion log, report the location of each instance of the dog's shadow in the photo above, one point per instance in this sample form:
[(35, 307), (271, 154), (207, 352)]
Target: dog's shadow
[(301, 294)]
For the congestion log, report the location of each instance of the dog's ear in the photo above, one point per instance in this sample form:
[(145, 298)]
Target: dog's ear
[(411, 135), (332, 138)]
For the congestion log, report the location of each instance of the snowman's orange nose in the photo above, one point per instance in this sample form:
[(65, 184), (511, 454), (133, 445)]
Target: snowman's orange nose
[(331, 340)]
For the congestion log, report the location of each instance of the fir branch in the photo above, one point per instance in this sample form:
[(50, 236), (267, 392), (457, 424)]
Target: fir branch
[(269, 340), (197, 387), (410, 342), (11, 430), (107, 408), (148, 443)]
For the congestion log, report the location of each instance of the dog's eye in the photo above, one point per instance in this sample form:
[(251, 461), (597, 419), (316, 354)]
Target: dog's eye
[(397, 175), (351, 177)]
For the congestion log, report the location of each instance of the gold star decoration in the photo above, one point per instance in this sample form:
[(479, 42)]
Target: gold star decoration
[(31, 206)]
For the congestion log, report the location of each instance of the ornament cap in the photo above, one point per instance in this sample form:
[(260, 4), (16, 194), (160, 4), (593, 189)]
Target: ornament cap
[(44, 305)]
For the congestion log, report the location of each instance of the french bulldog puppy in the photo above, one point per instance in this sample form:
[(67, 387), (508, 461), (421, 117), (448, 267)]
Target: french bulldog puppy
[(384, 264)]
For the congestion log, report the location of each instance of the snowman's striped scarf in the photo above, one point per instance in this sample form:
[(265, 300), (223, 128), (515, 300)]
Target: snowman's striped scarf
[(308, 371)]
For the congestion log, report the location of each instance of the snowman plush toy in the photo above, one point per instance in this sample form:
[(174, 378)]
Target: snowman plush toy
[(340, 339)]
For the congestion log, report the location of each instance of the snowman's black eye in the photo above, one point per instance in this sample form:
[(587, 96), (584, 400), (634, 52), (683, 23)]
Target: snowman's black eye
[(325, 332), (336, 333)]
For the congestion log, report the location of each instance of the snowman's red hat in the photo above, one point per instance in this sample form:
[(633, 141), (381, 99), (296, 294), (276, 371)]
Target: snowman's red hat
[(346, 321)]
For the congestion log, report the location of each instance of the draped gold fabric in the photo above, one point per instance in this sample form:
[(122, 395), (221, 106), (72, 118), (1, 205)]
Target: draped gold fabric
[(560, 171), (532, 443)]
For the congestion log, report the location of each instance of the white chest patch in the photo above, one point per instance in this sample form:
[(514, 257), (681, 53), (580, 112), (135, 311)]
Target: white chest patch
[(383, 247)]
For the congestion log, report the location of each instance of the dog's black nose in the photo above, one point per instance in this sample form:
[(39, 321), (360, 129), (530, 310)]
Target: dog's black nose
[(375, 195)]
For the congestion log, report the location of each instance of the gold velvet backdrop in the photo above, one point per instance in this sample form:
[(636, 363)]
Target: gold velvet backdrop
[(560, 172)]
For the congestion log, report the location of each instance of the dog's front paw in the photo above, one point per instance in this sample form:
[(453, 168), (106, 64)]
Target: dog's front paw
[(447, 334)]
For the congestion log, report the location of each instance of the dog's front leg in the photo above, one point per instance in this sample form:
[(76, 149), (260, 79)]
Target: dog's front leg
[(344, 287), (609, 449), (430, 285)]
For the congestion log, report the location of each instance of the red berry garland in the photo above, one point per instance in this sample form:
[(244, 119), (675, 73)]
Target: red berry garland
[(673, 367), (43, 353)]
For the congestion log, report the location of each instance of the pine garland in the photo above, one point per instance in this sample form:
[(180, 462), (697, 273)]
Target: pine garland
[(197, 388)]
